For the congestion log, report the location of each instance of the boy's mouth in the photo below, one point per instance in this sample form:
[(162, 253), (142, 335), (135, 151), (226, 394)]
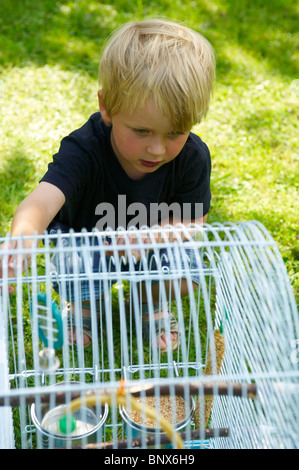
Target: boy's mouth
[(149, 164)]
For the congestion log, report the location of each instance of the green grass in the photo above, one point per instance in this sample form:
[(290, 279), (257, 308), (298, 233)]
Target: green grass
[(49, 54)]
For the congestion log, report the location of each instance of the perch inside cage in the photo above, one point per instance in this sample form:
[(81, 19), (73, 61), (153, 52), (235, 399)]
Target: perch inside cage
[(88, 317)]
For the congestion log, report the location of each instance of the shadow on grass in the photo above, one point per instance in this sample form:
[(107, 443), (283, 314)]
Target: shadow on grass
[(16, 174), (71, 33), (264, 30)]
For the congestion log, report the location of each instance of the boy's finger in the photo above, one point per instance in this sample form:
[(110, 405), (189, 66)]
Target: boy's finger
[(11, 289)]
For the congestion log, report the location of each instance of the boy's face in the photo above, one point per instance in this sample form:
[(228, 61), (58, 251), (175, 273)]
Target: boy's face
[(144, 141)]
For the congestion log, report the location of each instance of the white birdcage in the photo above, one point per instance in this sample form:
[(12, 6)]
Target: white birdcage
[(232, 382)]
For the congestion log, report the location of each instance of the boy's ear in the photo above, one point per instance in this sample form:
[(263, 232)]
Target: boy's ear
[(102, 107)]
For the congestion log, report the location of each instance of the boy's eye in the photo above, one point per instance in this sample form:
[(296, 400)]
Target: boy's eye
[(141, 131), (146, 132), (175, 134)]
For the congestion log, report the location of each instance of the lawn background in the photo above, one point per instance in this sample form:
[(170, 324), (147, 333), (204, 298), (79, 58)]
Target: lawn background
[(49, 54)]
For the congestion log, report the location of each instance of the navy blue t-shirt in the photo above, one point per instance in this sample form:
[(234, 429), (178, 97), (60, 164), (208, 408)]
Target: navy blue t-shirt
[(89, 174)]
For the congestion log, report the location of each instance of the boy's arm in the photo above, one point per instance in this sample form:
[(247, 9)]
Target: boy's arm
[(37, 210), (32, 216), (182, 233), (156, 235), (198, 221)]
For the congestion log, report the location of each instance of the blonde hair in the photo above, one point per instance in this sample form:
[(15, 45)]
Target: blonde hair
[(170, 62)]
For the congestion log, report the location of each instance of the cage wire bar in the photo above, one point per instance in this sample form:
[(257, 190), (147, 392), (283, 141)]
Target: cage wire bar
[(232, 382)]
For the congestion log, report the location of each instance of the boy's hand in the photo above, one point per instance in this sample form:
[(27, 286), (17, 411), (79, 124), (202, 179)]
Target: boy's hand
[(7, 246), (133, 240)]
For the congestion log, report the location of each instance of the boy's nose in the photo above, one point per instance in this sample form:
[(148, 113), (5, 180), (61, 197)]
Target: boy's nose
[(156, 148)]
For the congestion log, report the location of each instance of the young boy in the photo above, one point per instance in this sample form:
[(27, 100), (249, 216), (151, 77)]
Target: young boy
[(156, 79)]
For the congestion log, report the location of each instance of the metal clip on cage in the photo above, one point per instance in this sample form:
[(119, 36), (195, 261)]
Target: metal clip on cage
[(231, 382)]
